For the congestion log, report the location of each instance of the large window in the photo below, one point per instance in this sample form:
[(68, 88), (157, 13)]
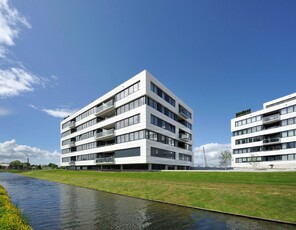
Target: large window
[(162, 94), (91, 145), (128, 122), (248, 120), (131, 105), (130, 137), (163, 124), (163, 153), (185, 157), (128, 91), (86, 157), (289, 109), (147, 134), (287, 145), (162, 109), (86, 124)]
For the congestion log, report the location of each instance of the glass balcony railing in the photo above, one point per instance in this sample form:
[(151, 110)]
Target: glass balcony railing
[(269, 141), (183, 114), (105, 134), (103, 160), (72, 124), (272, 118), (72, 144), (184, 137), (105, 107)]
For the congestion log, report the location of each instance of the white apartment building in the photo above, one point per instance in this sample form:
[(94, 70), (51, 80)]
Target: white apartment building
[(266, 138), (138, 125)]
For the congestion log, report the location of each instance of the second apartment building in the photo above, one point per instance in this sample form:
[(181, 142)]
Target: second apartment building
[(138, 125), (266, 138)]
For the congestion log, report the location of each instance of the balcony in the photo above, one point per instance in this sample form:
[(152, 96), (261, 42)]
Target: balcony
[(72, 124), (271, 119), (104, 108), (271, 141), (72, 163), (184, 137), (105, 160), (72, 144), (183, 114), (105, 134)]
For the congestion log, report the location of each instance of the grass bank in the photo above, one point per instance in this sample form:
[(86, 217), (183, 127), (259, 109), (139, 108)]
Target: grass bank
[(10, 216), (268, 195)]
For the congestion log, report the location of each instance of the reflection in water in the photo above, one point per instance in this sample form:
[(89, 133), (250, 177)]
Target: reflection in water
[(49, 205)]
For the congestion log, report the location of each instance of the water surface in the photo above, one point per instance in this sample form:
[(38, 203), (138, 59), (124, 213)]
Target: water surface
[(49, 205)]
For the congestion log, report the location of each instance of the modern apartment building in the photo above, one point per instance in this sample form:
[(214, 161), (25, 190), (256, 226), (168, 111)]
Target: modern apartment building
[(266, 138), (138, 125)]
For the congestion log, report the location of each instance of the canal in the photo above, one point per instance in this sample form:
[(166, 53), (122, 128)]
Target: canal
[(49, 205)]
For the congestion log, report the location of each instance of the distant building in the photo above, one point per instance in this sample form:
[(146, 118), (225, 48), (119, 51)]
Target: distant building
[(4, 165), (266, 138), (138, 125)]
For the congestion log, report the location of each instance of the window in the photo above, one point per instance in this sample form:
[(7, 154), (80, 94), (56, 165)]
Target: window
[(162, 94), (132, 105), (128, 122), (128, 91), (163, 124), (284, 111), (290, 109), (162, 153), (284, 122)]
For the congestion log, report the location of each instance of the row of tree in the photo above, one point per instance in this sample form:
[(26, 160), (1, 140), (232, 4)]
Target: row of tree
[(27, 166)]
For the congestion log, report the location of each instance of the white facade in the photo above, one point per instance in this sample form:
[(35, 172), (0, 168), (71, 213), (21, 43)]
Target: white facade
[(266, 138), (138, 125)]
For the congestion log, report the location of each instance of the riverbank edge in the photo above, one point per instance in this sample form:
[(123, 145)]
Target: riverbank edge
[(180, 205), (10, 215)]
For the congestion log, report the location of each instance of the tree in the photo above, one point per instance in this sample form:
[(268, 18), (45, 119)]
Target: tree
[(26, 166), (16, 165), (53, 166), (254, 161), (225, 158)]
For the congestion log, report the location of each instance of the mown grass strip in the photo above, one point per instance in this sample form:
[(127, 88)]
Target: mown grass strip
[(10, 216), (263, 195)]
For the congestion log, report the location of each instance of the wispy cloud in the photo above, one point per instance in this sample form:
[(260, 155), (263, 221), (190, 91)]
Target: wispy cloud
[(3, 52), (4, 112), (212, 151), (15, 81), (11, 22), (14, 78), (59, 113), (10, 150)]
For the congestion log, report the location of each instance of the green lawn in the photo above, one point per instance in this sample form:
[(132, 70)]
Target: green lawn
[(10, 216), (266, 194)]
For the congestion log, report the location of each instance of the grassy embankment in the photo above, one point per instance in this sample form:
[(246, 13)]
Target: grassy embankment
[(10, 216), (268, 195)]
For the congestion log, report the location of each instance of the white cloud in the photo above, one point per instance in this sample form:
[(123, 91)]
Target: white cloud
[(59, 113), (10, 23), (10, 151), (212, 152), (3, 52), (4, 112), (15, 81)]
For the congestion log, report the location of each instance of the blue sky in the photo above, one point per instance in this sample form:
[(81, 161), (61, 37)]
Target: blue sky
[(220, 57)]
